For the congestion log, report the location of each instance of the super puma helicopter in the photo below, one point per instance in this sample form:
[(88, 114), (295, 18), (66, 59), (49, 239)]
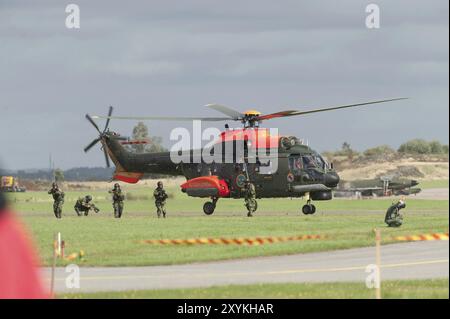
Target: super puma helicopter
[(300, 170)]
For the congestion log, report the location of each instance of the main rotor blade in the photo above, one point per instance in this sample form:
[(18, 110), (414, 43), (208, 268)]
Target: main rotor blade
[(89, 118), (277, 114), (106, 158), (332, 108), (235, 115), (163, 118), (87, 148), (109, 119)]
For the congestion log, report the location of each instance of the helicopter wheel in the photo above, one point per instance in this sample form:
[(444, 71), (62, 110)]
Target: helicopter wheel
[(208, 208), (308, 209)]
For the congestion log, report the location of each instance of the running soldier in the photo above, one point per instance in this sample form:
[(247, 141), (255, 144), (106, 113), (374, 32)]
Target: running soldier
[(250, 198), (118, 199), (58, 199), (160, 200)]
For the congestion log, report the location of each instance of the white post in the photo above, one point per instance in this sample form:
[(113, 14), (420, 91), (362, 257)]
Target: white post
[(58, 250), (378, 262), (52, 278)]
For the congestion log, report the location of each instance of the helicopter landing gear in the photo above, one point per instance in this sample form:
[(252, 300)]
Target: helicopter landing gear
[(209, 207), (309, 208)]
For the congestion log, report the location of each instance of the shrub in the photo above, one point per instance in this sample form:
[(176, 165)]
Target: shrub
[(379, 150), (436, 147), (347, 151), (417, 146)]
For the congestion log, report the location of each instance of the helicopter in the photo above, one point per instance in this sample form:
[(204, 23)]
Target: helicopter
[(278, 166)]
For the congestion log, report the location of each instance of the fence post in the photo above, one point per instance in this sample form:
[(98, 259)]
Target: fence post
[(52, 278), (378, 263)]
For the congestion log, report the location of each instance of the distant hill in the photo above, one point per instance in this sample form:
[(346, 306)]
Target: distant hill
[(78, 174), (88, 174)]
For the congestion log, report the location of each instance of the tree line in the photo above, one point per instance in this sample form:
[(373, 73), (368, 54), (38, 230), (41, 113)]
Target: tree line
[(411, 147)]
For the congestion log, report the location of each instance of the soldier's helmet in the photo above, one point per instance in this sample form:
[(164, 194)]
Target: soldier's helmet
[(88, 198), (160, 184), (54, 184), (116, 185)]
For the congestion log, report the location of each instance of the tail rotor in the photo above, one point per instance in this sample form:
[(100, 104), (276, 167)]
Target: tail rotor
[(103, 135)]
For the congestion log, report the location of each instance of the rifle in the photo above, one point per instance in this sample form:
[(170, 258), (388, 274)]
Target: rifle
[(95, 208)]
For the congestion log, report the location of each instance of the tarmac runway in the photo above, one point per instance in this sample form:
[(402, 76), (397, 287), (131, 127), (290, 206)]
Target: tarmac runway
[(414, 260), (432, 193)]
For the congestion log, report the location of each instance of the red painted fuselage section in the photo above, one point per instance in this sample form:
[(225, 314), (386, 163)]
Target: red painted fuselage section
[(207, 182), (256, 137)]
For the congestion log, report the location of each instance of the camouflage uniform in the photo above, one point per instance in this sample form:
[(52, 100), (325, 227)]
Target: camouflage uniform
[(393, 217), (84, 205), (250, 198), (160, 200), (118, 199), (58, 198)]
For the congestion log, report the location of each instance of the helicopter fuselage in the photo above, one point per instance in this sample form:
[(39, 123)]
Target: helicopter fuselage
[(291, 170)]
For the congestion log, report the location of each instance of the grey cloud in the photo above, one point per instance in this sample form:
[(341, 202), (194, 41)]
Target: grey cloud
[(151, 57)]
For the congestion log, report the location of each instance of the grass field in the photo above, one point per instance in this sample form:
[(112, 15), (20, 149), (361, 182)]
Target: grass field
[(142, 202), (440, 183), (410, 289), (112, 242)]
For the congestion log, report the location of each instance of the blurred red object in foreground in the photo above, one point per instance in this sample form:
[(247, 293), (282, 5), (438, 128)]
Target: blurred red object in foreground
[(19, 269)]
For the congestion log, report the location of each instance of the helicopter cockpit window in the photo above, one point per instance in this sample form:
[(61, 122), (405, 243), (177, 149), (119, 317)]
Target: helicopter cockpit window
[(309, 161), (321, 162), (295, 164)]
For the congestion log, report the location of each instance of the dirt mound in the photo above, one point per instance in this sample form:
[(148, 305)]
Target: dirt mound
[(406, 171), (406, 168)]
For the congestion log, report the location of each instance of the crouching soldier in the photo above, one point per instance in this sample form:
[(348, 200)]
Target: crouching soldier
[(118, 199), (160, 200), (84, 205), (58, 199), (393, 217), (250, 198)]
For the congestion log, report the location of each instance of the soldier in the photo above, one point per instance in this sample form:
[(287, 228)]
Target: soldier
[(118, 199), (160, 199), (58, 198), (84, 205), (250, 198), (393, 217)]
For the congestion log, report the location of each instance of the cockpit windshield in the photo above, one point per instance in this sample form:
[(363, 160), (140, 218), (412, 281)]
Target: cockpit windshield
[(309, 161), (320, 161)]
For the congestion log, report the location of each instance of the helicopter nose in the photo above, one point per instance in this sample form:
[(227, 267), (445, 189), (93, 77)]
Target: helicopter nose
[(331, 179)]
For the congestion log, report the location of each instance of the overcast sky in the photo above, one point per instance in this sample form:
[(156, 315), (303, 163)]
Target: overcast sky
[(172, 58)]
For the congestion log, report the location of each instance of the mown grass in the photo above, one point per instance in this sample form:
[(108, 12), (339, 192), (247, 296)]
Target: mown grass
[(143, 202), (440, 183), (407, 289), (112, 242)]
